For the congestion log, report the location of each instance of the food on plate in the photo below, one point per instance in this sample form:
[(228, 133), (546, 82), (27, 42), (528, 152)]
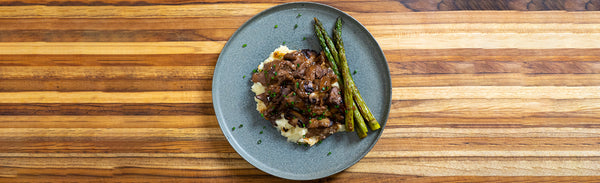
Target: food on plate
[(309, 95), (299, 93)]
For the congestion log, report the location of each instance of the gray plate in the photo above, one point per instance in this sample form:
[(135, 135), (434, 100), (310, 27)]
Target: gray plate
[(234, 104)]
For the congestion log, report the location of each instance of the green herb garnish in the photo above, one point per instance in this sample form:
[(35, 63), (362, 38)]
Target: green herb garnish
[(328, 153), (244, 45), (276, 26), (295, 26), (232, 129), (259, 142)]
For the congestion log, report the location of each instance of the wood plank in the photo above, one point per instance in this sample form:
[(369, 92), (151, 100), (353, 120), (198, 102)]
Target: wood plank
[(396, 120), (92, 35), (109, 60), (199, 121), (105, 85), (107, 72), (495, 79), (107, 97), (490, 92), (102, 109), (159, 11), (406, 166), (146, 48), (404, 93), (258, 176)]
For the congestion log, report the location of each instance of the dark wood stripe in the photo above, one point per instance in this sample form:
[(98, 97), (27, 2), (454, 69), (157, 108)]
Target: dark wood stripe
[(499, 79), (394, 121), (109, 85), (486, 143), (110, 60), (116, 146), (53, 144), (131, 24), (115, 35), (485, 67), (106, 109), (255, 175)]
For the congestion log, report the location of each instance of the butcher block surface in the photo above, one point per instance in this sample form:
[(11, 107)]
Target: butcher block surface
[(120, 90)]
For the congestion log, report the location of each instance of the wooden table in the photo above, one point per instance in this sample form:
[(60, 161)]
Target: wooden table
[(120, 90)]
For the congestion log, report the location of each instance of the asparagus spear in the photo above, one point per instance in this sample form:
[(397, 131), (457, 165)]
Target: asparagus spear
[(362, 106), (361, 129), (326, 50), (348, 118), (328, 41)]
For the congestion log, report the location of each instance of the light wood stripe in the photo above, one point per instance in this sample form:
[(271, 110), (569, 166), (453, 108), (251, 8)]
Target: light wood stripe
[(431, 167), (199, 121), (402, 93), (521, 92), (473, 167), (131, 134), (492, 122), (134, 134), (392, 42), (527, 28), (491, 132), (489, 40), (110, 48), (107, 97), (496, 108), (375, 154), (107, 72), (160, 11)]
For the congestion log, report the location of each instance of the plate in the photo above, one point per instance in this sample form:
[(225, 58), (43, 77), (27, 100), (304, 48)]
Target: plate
[(234, 104)]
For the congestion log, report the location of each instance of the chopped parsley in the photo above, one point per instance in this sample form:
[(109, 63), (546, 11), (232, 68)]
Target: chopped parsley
[(244, 45), (244, 76), (329, 153), (320, 141), (259, 142), (264, 127), (299, 15), (261, 132), (292, 102), (294, 94), (241, 125), (297, 85), (284, 42), (255, 71), (262, 115), (297, 65), (295, 26), (304, 38), (354, 72), (276, 26), (232, 129), (272, 77), (275, 73)]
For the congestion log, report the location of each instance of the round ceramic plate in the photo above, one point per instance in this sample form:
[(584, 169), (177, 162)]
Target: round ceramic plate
[(234, 104)]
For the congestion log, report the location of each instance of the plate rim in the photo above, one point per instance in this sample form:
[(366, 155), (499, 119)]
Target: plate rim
[(255, 162)]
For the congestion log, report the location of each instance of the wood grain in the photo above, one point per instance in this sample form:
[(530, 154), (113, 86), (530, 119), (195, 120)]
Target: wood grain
[(120, 91)]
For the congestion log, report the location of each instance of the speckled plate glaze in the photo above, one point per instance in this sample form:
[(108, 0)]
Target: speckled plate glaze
[(234, 104)]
